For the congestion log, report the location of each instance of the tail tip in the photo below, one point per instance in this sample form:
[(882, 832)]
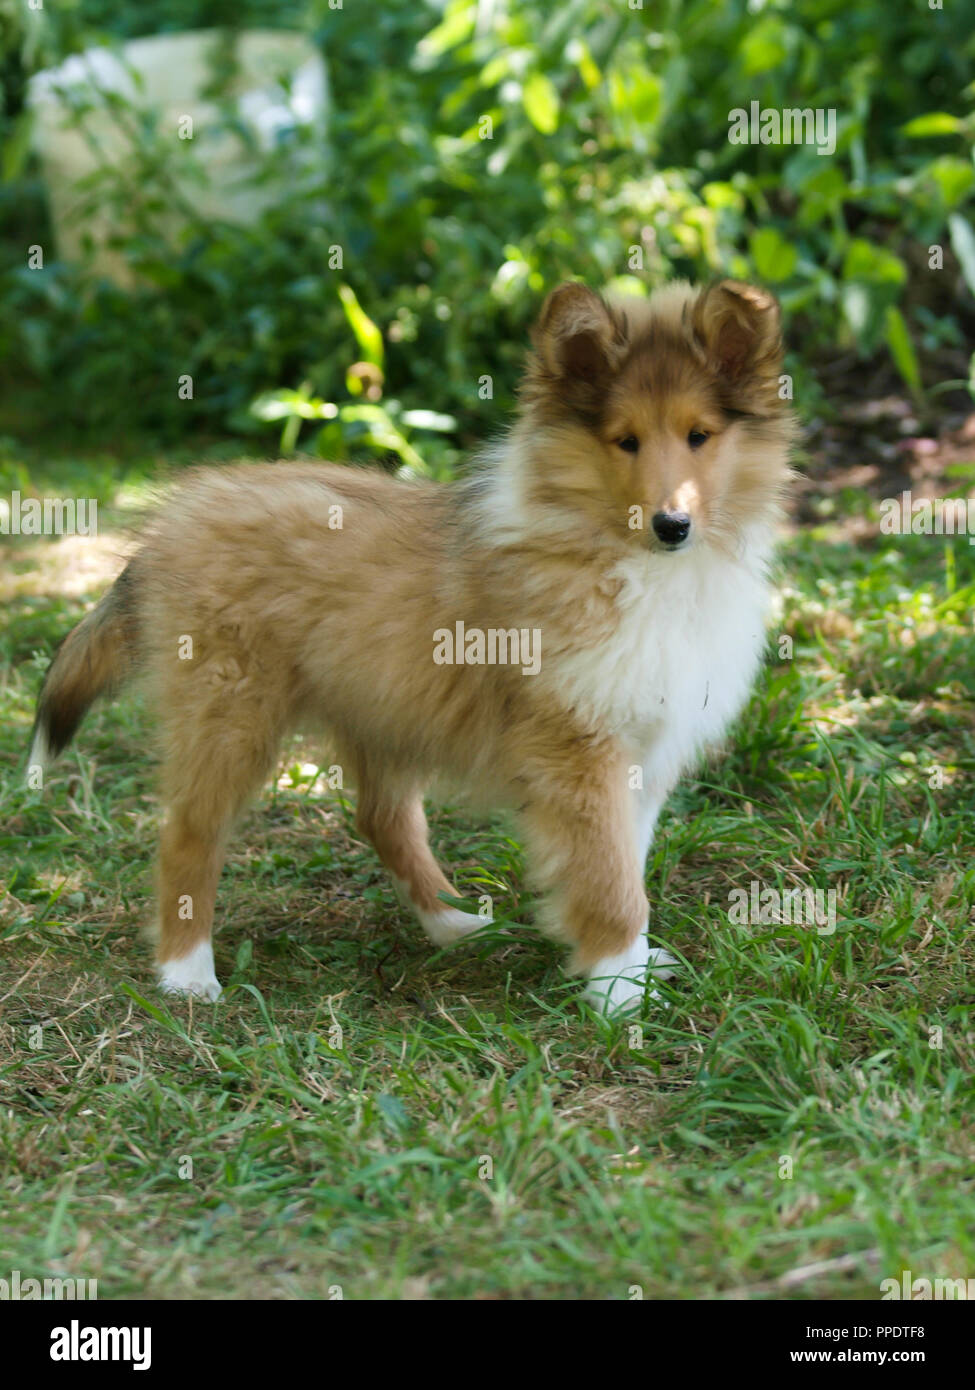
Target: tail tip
[(40, 758)]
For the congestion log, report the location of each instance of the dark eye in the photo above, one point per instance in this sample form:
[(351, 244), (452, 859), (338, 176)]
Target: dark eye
[(698, 437), (629, 444)]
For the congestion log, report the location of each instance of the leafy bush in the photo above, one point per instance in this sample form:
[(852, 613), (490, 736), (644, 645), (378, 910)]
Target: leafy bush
[(471, 166)]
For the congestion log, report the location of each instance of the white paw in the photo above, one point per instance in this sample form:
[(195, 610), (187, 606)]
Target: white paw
[(451, 925), (617, 983), (445, 926), (191, 974)]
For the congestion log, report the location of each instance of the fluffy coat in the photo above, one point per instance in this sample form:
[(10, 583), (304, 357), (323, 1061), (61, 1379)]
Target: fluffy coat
[(623, 528)]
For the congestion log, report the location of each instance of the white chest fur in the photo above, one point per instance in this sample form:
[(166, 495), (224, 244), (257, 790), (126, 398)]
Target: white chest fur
[(681, 661)]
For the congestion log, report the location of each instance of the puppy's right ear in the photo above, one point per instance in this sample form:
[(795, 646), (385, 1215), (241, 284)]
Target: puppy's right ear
[(578, 340)]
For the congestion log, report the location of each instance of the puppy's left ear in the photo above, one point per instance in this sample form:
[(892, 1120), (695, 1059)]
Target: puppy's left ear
[(738, 327)]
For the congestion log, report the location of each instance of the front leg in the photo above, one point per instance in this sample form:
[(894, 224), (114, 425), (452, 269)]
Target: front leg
[(585, 858), (645, 805), (649, 783)]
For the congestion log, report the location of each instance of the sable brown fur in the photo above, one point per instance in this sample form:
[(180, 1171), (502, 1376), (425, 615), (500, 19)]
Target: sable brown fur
[(292, 621)]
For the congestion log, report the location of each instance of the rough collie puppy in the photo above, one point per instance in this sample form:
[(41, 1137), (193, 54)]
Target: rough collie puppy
[(561, 634)]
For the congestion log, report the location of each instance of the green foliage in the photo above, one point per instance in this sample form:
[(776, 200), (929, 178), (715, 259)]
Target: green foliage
[(469, 166)]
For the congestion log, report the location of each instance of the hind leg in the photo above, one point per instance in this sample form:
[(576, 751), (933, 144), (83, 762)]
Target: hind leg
[(209, 773), (395, 824), (191, 853)]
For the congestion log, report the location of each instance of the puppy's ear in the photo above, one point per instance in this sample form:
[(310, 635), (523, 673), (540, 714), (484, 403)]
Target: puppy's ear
[(578, 340), (737, 327)]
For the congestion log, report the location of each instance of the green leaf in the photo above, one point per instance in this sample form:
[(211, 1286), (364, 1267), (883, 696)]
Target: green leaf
[(367, 335), (963, 245), (765, 46), (541, 102), (161, 1015), (429, 420), (579, 54), (283, 404), (393, 1110), (636, 94), (774, 257), (16, 148), (856, 307), (455, 28), (866, 261), (901, 348), (372, 425), (954, 178), (931, 124)]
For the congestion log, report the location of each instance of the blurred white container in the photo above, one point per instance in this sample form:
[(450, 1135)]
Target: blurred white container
[(279, 85)]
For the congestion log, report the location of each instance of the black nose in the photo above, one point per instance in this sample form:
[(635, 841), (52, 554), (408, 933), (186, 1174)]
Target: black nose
[(671, 527)]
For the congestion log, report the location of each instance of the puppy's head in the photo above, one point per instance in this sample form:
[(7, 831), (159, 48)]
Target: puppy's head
[(660, 418)]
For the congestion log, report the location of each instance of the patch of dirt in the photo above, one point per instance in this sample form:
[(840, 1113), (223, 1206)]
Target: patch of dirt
[(878, 444)]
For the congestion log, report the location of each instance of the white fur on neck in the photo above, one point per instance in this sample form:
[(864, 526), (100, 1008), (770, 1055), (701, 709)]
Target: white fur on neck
[(680, 664)]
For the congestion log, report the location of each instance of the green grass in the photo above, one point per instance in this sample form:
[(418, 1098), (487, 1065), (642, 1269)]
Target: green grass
[(361, 1113)]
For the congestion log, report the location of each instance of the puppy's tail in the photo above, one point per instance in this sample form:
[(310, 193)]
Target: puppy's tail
[(95, 658)]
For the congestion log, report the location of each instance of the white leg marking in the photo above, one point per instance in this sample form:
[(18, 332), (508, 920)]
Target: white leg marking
[(191, 974), (616, 983), (647, 804), (444, 926)]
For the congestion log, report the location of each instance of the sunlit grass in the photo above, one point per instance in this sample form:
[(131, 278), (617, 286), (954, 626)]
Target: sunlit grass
[(360, 1112)]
